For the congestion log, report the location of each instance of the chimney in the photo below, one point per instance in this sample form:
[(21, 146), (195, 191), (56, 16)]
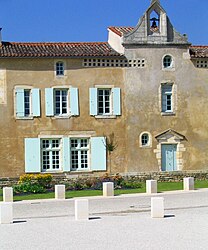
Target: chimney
[(0, 37)]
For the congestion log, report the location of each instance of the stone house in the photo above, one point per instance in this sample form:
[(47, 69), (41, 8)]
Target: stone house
[(147, 86)]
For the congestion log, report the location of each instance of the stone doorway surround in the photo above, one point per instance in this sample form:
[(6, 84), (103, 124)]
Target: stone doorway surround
[(170, 137)]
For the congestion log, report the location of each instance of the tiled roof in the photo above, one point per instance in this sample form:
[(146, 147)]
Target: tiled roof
[(199, 51), (120, 30), (85, 49)]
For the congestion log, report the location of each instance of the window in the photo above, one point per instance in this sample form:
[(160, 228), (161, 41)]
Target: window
[(27, 103), (79, 154), (59, 68), (105, 102), (50, 154), (167, 98), (167, 62), (145, 140), (61, 102), (65, 154)]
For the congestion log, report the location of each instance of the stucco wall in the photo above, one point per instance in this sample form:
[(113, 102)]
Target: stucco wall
[(143, 107), (39, 73)]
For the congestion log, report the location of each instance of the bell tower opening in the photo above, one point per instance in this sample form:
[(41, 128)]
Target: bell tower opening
[(154, 22)]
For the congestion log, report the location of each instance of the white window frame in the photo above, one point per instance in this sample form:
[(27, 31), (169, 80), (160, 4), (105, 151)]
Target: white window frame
[(68, 102), (79, 150), (58, 69), (104, 102), (172, 64), (166, 94), (149, 143), (51, 150), (27, 88), (30, 103)]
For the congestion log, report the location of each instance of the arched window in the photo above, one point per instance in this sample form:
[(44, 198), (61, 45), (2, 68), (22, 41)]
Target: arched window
[(59, 68), (167, 62), (145, 139)]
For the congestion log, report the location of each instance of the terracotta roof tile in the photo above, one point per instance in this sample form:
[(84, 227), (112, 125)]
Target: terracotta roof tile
[(85, 49), (199, 51), (120, 30)]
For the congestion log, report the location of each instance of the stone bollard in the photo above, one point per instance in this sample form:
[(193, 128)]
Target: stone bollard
[(60, 192), (157, 207), (188, 183), (151, 187), (6, 213), (108, 189), (81, 209), (8, 194)]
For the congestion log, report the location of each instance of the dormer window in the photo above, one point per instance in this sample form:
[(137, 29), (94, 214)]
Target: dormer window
[(60, 69)]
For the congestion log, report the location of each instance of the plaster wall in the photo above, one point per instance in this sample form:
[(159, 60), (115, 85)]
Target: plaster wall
[(143, 108), (39, 73)]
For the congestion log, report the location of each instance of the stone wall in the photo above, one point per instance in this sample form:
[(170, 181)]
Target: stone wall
[(141, 177)]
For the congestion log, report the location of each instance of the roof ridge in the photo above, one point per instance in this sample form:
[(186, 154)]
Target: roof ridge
[(51, 43)]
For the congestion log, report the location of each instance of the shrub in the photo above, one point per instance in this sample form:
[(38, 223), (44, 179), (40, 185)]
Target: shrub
[(31, 183)]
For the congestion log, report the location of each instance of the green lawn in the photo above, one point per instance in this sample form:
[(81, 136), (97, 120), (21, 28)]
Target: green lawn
[(162, 186)]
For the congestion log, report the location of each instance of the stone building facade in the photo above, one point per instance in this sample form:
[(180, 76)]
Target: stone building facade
[(146, 86)]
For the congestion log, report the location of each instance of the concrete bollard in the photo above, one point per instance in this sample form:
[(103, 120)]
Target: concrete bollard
[(157, 207), (188, 183), (81, 209), (60, 192), (108, 189), (151, 186), (6, 213), (8, 194)]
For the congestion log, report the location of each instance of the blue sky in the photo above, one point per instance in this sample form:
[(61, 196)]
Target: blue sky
[(87, 20)]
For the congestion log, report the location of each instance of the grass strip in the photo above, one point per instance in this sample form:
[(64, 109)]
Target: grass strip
[(162, 186)]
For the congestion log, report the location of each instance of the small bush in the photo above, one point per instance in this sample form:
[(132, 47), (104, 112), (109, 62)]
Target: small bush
[(31, 183)]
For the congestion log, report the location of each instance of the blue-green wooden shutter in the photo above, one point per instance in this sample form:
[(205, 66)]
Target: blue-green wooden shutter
[(35, 102), (98, 153), (116, 101), (20, 105), (74, 101), (32, 155), (49, 102), (93, 101), (66, 155)]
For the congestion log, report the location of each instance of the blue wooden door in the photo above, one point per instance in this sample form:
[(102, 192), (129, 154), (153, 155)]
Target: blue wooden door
[(169, 157)]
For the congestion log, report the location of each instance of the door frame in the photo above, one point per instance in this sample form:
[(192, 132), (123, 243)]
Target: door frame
[(175, 166)]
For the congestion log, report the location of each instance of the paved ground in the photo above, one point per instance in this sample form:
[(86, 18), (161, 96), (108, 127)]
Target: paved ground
[(121, 222)]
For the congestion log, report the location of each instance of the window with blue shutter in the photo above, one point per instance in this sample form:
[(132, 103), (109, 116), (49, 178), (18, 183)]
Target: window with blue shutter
[(49, 102), (27, 103), (61, 102), (20, 103), (105, 101), (66, 161), (98, 153), (36, 102), (93, 101), (32, 155), (74, 101), (116, 101)]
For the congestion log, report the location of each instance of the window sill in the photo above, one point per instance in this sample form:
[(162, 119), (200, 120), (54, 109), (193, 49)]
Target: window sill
[(105, 116), (168, 113), (146, 147), (168, 69), (25, 118), (61, 117)]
